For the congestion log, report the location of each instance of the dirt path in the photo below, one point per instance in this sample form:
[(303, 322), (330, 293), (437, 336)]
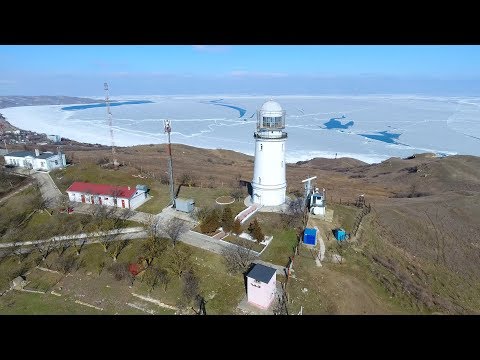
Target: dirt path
[(50, 192)]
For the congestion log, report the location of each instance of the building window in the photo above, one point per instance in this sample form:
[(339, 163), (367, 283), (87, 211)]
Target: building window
[(282, 163)]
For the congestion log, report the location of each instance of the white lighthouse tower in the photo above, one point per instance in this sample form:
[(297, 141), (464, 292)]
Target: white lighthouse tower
[(269, 183)]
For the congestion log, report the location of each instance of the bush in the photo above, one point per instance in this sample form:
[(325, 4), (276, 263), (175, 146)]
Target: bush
[(227, 219), (211, 222), (120, 271), (256, 231), (164, 179), (238, 193), (237, 227)]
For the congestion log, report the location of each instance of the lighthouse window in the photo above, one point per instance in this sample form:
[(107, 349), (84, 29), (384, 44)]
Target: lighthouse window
[(261, 146), (259, 180)]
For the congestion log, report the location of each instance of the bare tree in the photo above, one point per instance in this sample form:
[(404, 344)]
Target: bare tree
[(100, 266), (163, 278), (238, 193), (18, 252), (293, 216), (117, 248), (105, 241), (76, 246), (187, 179), (190, 286), (151, 226), (238, 258), (63, 203), (120, 271), (6, 252), (174, 228), (65, 263), (151, 278), (44, 248), (179, 261), (153, 248), (62, 246)]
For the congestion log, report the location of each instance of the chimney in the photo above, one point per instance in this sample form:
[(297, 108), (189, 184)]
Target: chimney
[(37, 152)]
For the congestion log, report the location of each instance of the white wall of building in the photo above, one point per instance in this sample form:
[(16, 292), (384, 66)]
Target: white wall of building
[(53, 162), (269, 182), (137, 199), (259, 293)]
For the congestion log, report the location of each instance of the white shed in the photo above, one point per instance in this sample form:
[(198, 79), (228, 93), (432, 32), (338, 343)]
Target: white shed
[(261, 285)]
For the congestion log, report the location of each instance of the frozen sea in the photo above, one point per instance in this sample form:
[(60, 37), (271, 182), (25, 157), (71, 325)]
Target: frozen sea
[(368, 128)]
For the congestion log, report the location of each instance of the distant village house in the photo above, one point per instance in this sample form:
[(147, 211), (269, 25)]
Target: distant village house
[(45, 161), (108, 195)]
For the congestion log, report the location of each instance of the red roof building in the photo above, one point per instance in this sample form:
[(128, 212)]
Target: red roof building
[(109, 195), (102, 189)]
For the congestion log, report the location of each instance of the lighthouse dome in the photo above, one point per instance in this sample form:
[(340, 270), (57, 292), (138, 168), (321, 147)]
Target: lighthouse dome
[(271, 106)]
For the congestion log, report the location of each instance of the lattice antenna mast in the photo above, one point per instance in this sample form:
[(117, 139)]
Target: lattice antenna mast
[(168, 130), (109, 115)]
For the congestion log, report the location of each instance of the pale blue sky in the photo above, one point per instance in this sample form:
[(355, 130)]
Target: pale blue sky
[(239, 69)]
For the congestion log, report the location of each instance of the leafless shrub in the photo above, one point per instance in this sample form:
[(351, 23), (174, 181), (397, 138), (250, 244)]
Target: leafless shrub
[(237, 259), (120, 271)]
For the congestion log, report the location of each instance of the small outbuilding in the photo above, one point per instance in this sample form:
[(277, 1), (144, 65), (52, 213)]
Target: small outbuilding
[(310, 236), (261, 285), (185, 205), (19, 282), (340, 234)]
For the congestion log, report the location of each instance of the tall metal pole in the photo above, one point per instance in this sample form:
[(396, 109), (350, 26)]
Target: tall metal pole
[(109, 115), (168, 129)]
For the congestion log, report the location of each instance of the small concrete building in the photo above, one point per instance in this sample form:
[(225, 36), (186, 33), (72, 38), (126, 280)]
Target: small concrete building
[(185, 205), (18, 283), (261, 285), (109, 195), (35, 160)]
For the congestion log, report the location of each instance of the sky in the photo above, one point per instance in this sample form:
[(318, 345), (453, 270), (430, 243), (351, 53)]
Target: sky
[(81, 70)]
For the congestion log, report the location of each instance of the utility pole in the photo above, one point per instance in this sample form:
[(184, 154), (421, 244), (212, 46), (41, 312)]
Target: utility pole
[(168, 130), (109, 115)]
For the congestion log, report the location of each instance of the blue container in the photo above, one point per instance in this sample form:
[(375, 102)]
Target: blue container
[(309, 236), (340, 234)]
